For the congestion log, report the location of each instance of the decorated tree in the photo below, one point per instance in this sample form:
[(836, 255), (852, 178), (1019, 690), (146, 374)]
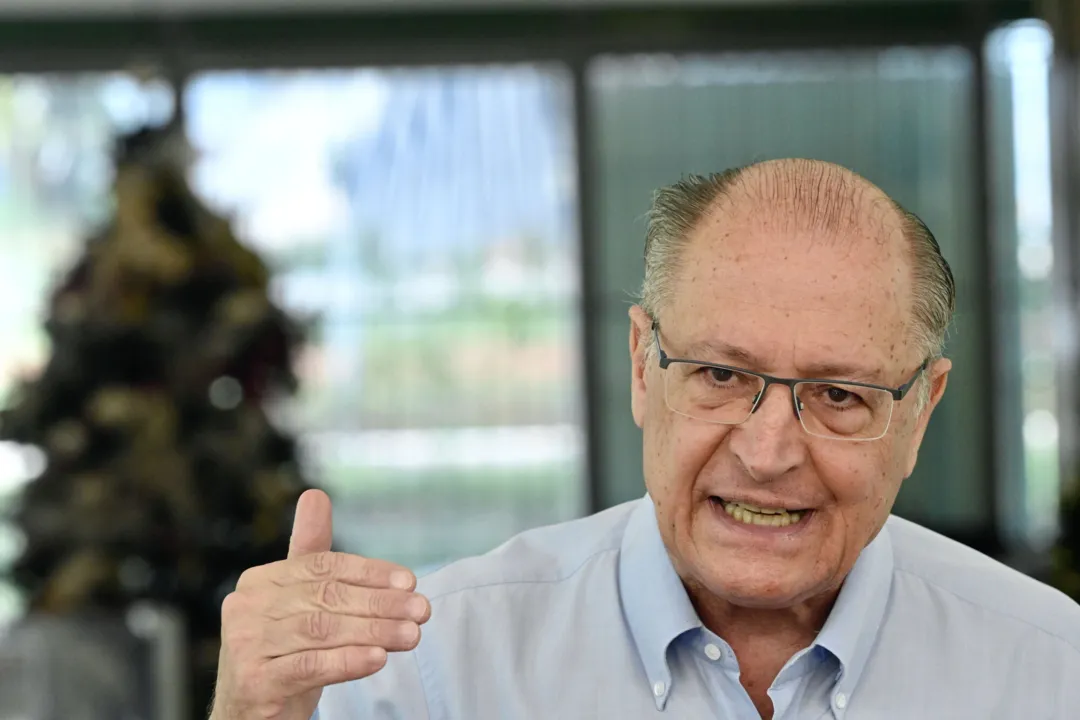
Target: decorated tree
[(165, 478)]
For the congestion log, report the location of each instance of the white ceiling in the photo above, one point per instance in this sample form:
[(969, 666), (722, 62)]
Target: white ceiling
[(172, 7)]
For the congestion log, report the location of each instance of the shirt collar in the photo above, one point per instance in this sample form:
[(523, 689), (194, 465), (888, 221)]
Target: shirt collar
[(658, 609), (654, 600), (851, 630)]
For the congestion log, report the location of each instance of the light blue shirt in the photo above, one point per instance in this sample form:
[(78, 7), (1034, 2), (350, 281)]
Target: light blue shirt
[(588, 619)]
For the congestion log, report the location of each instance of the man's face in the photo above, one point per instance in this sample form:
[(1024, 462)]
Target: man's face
[(789, 301)]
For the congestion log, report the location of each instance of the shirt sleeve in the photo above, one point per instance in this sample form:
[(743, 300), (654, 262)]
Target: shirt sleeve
[(394, 693)]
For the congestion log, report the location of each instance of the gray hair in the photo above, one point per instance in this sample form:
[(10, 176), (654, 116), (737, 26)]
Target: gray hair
[(677, 209)]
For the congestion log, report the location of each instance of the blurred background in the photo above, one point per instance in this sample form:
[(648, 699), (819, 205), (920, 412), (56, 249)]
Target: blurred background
[(435, 210)]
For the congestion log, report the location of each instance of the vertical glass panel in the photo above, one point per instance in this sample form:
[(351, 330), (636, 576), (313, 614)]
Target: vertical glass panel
[(425, 220), (1019, 57), (902, 117)]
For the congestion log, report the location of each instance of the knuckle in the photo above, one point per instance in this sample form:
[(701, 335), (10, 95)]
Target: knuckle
[(330, 595), (381, 633), (321, 625), (306, 666), (382, 604), (369, 573), (322, 565), (353, 664)]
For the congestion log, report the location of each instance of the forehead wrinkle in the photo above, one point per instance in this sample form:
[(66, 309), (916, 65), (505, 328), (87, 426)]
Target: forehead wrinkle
[(809, 195), (824, 203), (723, 353), (827, 362), (758, 342), (708, 324)]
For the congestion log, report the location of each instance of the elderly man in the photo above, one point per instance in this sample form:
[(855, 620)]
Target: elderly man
[(786, 360)]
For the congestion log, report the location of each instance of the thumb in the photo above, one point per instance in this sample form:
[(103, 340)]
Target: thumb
[(313, 526)]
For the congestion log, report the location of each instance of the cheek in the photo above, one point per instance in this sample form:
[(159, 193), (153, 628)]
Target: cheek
[(863, 491), (863, 480), (676, 450)]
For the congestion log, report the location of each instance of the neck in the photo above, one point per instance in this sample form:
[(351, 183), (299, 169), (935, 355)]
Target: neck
[(763, 638), (802, 621)]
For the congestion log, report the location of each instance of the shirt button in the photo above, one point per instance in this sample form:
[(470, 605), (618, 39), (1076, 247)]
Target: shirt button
[(658, 689), (712, 652), (841, 700)]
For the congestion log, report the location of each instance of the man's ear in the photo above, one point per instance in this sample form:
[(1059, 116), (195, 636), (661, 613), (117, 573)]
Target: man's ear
[(640, 337), (938, 377)]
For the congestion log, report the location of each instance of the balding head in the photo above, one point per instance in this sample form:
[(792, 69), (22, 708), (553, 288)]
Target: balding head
[(810, 195), (812, 199), (801, 278)]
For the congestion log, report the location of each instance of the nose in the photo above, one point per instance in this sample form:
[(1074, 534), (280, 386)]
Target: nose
[(770, 443)]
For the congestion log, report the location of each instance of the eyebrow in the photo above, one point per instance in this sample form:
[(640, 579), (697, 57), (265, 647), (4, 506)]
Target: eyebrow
[(713, 348), (735, 355), (843, 371)]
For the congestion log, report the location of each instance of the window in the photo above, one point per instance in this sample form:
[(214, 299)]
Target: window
[(426, 220)]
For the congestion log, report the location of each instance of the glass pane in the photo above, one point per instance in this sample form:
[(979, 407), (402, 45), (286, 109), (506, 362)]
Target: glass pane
[(425, 220), (902, 117), (56, 137), (1019, 58)]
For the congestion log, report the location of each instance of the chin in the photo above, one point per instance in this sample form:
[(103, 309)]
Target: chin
[(760, 587), (759, 598)]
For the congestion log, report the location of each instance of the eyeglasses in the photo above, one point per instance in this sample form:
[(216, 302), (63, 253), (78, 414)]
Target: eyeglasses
[(725, 395)]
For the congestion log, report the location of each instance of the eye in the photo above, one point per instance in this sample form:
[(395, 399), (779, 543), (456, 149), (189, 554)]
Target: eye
[(839, 395), (719, 375), (842, 398)]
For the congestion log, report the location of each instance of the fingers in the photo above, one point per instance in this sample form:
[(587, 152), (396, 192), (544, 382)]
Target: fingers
[(342, 599), (326, 566), (313, 525), (311, 669), (323, 615), (319, 630)]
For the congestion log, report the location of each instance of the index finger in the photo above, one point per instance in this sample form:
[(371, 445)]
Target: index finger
[(338, 566)]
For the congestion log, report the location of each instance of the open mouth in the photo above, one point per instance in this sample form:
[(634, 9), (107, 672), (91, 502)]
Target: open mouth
[(753, 515)]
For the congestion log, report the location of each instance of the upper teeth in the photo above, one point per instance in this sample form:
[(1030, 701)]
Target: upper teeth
[(754, 515), (757, 509)]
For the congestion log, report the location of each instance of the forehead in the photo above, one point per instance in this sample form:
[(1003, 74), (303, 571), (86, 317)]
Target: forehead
[(779, 290)]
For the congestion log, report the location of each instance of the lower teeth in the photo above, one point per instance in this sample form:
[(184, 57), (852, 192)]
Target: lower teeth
[(750, 517)]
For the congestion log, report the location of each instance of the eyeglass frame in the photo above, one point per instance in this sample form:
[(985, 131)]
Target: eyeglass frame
[(897, 393)]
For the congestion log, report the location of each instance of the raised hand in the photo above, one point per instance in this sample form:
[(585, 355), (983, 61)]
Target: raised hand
[(314, 619)]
